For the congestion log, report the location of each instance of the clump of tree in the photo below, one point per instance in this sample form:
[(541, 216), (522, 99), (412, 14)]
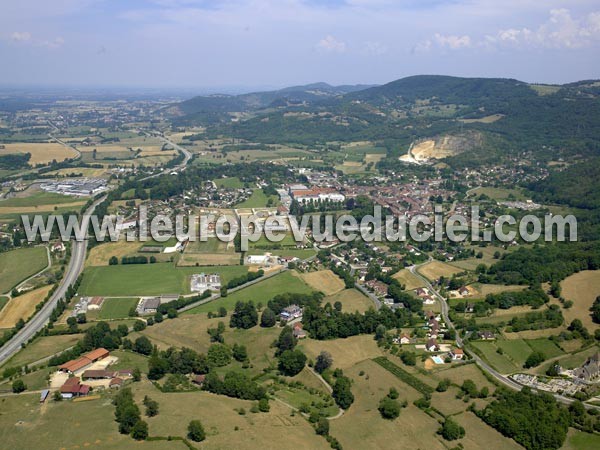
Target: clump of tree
[(291, 362), (151, 406), (389, 406), (268, 318), (234, 384), (534, 359), (323, 362), (451, 430), (536, 421), (127, 413), (341, 392), (244, 315), (196, 431)]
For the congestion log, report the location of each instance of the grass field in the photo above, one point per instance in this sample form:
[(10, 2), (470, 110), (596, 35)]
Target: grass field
[(41, 153), (351, 300), (582, 288), (38, 198), (482, 290), (258, 199), (117, 308), (25, 424), (546, 346), (230, 183), (410, 281), (22, 307), (435, 269), (345, 352), (147, 279), (100, 254), (3, 302), (42, 347), (262, 291), (578, 440), (479, 435), (362, 425), (213, 252), (498, 194), (225, 428), (18, 265), (323, 280), (500, 362)]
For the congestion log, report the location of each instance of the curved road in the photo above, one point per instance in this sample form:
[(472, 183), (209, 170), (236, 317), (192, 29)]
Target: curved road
[(506, 381), (78, 250)]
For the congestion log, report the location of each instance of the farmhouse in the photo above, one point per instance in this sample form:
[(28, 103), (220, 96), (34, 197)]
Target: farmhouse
[(84, 361), (73, 388), (403, 339), (116, 383), (378, 287), (486, 335), (98, 375), (95, 303), (590, 371), (291, 312), (58, 247), (201, 282), (199, 379)]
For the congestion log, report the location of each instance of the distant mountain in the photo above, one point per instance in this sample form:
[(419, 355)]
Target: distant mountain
[(295, 95)]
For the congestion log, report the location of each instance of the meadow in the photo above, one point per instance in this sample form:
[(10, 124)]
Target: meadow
[(148, 279), (43, 152), (117, 308), (41, 348), (436, 269), (351, 299), (582, 289), (262, 292), (22, 307), (323, 280), (18, 265), (407, 279)]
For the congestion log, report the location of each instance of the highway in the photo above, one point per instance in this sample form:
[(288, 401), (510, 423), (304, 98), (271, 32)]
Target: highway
[(75, 267), (186, 154)]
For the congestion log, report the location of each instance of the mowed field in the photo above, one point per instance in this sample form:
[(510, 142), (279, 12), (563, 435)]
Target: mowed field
[(406, 278), (582, 288), (351, 300), (18, 265), (117, 308), (22, 307), (100, 254), (34, 200), (323, 280), (262, 292), (41, 348), (436, 269), (147, 279), (41, 153), (345, 352)]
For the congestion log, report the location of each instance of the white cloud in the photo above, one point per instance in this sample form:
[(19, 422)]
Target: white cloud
[(375, 48), (331, 44), (20, 36), (451, 41)]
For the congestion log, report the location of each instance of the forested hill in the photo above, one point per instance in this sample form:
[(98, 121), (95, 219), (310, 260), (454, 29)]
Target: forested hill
[(511, 116)]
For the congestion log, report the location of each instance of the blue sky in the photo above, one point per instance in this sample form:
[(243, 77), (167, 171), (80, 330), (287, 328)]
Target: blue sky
[(214, 45)]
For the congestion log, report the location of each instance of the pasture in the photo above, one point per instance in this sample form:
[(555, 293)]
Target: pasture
[(229, 183), (42, 347), (42, 152), (263, 291), (22, 307), (351, 299), (147, 279), (582, 289), (18, 265), (258, 199), (436, 269), (117, 308), (407, 279), (345, 352), (323, 280)]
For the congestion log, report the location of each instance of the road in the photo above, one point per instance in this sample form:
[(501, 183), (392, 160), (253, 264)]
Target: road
[(506, 381), (187, 155), (75, 267)]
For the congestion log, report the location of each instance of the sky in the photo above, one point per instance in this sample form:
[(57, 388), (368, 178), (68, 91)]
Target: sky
[(220, 45)]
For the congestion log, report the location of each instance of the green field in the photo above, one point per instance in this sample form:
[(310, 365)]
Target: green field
[(147, 279), (262, 292), (18, 265), (516, 349), (3, 302), (578, 440), (230, 183), (500, 362), (546, 346), (37, 199), (258, 199), (117, 308)]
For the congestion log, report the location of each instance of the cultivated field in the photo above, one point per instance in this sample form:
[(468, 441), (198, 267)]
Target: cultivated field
[(18, 265), (22, 307), (351, 300), (147, 279), (323, 280), (41, 153), (582, 288), (410, 281), (213, 252), (435, 269)]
